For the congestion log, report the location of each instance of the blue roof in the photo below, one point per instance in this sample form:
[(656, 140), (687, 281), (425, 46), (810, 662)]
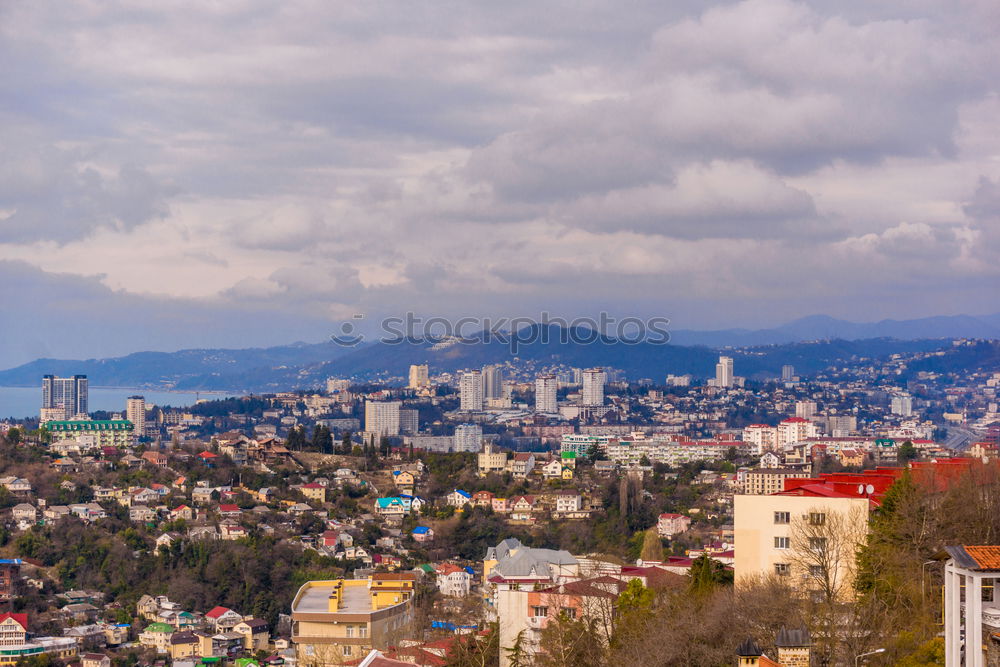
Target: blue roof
[(463, 493), (10, 561), (421, 530), (469, 570), (395, 472)]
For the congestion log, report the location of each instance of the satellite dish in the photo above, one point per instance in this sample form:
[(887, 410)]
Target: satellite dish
[(861, 489), (870, 489)]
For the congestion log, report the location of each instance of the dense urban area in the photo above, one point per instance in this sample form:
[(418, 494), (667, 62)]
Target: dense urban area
[(515, 515)]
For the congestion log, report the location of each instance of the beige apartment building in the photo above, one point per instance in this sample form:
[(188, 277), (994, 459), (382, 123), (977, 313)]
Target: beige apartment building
[(769, 480), (813, 539), (342, 620)]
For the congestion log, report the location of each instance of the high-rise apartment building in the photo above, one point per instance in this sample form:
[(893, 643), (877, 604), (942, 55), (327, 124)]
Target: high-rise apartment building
[(135, 412), (805, 409), (492, 382), (468, 438), (64, 397), (419, 376), (382, 417), (787, 372), (724, 372), (409, 421), (593, 387), (470, 388), (545, 394), (902, 405)]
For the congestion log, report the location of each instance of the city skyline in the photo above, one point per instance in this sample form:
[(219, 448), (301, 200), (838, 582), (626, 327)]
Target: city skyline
[(262, 187)]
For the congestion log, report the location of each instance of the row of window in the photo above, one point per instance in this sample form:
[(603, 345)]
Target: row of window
[(785, 568), (815, 518), (362, 630), (815, 543), (541, 612)]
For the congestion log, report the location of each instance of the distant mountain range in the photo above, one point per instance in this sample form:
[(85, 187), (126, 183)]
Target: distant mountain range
[(810, 344), (823, 327)]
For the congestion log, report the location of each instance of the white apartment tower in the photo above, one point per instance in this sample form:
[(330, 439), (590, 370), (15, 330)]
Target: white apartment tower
[(492, 382), (468, 437), (805, 409), (902, 405), (724, 372), (135, 412), (419, 376), (382, 417), (470, 388), (593, 386), (545, 394), (65, 398)]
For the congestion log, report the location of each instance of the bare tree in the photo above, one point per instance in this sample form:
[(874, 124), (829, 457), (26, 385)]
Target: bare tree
[(824, 545)]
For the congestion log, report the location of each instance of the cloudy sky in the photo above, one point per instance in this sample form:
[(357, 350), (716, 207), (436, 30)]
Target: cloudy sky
[(243, 173)]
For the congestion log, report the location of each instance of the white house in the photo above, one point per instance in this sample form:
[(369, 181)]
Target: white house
[(453, 580), (459, 498)]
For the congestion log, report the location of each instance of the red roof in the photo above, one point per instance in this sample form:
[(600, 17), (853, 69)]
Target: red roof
[(313, 485), (229, 508), (208, 455), (217, 612), (22, 619), (668, 515)]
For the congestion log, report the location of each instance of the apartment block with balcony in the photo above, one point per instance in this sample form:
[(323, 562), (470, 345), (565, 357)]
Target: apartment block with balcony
[(342, 620)]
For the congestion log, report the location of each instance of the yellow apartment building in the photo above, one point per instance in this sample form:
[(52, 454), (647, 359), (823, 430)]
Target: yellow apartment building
[(342, 620)]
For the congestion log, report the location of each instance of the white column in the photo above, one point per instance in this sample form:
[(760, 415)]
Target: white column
[(952, 616), (974, 620)]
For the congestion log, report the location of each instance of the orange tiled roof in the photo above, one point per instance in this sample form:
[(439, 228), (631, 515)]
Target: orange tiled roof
[(987, 557)]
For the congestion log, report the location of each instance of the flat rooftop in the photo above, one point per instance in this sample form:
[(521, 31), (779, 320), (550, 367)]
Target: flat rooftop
[(316, 599)]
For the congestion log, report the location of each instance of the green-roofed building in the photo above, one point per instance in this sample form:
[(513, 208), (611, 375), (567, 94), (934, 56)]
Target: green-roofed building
[(157, 636), (108, 432)]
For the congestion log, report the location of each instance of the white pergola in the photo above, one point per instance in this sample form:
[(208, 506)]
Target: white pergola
[(965, 611)]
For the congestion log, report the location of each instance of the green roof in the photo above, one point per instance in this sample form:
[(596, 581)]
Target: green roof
[(569, 455), (91, 425), (427, 568), (159, 627)]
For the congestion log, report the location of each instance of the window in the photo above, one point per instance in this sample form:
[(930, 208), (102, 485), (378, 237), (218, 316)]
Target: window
[(570, 612), (816, 571), (817, 543), (310, 649), (362, 631), (350, 630), (781, 517), (348, 650), (781, 568), (540, 611), (817, 518), (781, 543)]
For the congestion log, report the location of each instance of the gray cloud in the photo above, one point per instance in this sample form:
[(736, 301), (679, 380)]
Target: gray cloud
[(314, 160)]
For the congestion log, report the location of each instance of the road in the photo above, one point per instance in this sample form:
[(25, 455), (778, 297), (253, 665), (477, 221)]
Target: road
[(959, 438)]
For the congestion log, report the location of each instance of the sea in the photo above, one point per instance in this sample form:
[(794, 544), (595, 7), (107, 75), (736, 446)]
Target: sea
[(21, 402)]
